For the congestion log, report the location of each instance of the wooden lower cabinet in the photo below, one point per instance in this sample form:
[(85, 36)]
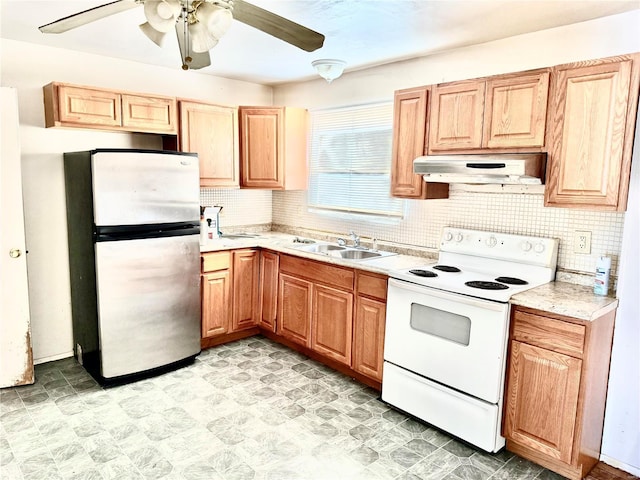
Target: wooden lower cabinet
[(294, 309), (229, 295), (368, 337), (216, 294), (332, 323), (246, 270), (369, 324), (556, 389), (269, 266), (215, 303)]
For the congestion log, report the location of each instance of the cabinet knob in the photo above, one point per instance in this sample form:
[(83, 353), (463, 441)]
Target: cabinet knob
[(15, 252)]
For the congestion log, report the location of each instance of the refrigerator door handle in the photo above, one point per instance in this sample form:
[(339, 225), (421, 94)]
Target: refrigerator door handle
[(114, 233)]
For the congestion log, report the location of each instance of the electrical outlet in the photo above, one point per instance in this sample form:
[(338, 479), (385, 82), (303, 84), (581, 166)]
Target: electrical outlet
[(582, 242)]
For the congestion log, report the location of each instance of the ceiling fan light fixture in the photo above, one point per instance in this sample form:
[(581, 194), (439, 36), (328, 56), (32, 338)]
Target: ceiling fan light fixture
[(201, 39), (152, 34), (329, 68), (217, 19), (162, 14)]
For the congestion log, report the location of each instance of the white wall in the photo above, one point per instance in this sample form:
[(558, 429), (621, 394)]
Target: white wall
[(28, 68), (594, 39)]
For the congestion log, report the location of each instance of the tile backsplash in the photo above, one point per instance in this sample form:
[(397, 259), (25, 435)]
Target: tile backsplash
[(239, 207), (517, 213)]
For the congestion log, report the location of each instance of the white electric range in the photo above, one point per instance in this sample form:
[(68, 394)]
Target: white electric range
[(447, 328)]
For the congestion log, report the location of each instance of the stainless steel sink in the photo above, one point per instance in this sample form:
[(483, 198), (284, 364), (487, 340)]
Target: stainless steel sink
[(359, 254), (322, 248), (348, 253)]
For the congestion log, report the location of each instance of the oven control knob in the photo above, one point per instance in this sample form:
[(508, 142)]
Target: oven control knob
[(538, 248), (459, 237), (526, 246), (491, 241), (448, 237)]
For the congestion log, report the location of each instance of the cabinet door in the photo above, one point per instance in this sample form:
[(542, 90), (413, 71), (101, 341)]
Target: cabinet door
[(268, 290), (261, 147), (409, 136), (149, 114), (332, 323), (215, 303), (89, 107), (211, 131), (294, 309), (515, 111), (456, 116), (589, 156), (368, 337), (542, 400), (246, 268)]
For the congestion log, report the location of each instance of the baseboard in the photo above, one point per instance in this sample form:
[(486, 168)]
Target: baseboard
[(60, 356), (618, 464)]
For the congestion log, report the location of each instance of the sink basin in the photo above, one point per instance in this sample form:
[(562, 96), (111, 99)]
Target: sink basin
[(322, 248), (359, 254), (348, 253)]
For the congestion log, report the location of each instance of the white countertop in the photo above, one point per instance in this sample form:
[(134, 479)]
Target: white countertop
[(562, 298)]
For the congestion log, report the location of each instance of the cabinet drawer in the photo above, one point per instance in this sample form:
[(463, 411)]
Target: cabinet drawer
[(215, 261), (371, 285), (549, 333), (318, 271)]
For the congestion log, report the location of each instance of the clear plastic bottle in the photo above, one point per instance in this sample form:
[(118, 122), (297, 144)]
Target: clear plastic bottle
[(603, 268)]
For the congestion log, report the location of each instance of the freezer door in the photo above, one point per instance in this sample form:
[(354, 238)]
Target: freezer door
[(148, 302), (134, 188)]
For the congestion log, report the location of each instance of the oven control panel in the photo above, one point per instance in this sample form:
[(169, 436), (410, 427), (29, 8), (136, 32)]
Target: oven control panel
[(501, 246)]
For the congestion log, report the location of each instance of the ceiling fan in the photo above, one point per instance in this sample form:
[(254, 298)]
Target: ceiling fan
[(199, 24)]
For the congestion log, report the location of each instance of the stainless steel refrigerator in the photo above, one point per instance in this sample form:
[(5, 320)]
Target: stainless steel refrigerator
[(134, 257)]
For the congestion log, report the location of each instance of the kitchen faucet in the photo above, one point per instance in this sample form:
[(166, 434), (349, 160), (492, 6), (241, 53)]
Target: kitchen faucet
[(355, 238)]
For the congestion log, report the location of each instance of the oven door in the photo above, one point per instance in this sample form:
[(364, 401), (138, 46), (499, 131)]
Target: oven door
[(452, 339)]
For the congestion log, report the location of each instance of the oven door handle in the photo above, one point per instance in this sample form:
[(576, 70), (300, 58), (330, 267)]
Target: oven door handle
[(456, 297)]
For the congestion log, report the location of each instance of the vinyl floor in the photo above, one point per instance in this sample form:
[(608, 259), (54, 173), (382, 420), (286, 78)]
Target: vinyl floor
[(252, 409)]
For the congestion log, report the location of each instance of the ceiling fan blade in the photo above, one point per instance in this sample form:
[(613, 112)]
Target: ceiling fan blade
[(198, 60), (277, 26), (88, 16)]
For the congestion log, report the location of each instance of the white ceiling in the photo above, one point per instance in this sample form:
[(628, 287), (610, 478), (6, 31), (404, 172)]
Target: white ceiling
[(361, 32)]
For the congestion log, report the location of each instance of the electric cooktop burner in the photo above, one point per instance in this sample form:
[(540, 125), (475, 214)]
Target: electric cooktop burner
[(486, 285), (511, 281), (423, 273), (446, 268)]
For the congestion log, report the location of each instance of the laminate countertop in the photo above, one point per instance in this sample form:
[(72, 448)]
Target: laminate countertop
[(561, 298)]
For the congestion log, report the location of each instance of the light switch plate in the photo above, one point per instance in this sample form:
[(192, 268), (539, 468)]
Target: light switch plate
[(582, 242)]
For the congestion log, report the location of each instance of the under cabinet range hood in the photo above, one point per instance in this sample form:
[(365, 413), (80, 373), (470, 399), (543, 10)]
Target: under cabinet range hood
[(496, 168)]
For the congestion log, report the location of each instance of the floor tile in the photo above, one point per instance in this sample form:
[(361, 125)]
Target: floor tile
[(248, 410)]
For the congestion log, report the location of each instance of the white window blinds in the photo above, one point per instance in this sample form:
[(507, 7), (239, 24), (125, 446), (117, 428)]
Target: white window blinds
[(350, 160)]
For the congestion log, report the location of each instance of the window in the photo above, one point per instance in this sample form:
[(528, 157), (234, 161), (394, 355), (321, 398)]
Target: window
[(350, 160)]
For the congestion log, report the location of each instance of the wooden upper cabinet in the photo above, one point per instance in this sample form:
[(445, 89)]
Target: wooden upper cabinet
[(149, 113), (94, 108), (273, 148), (81, 106), (211, 131), (457, 111), (409, 136), (501, 112), (516, 110), (593, 115)]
